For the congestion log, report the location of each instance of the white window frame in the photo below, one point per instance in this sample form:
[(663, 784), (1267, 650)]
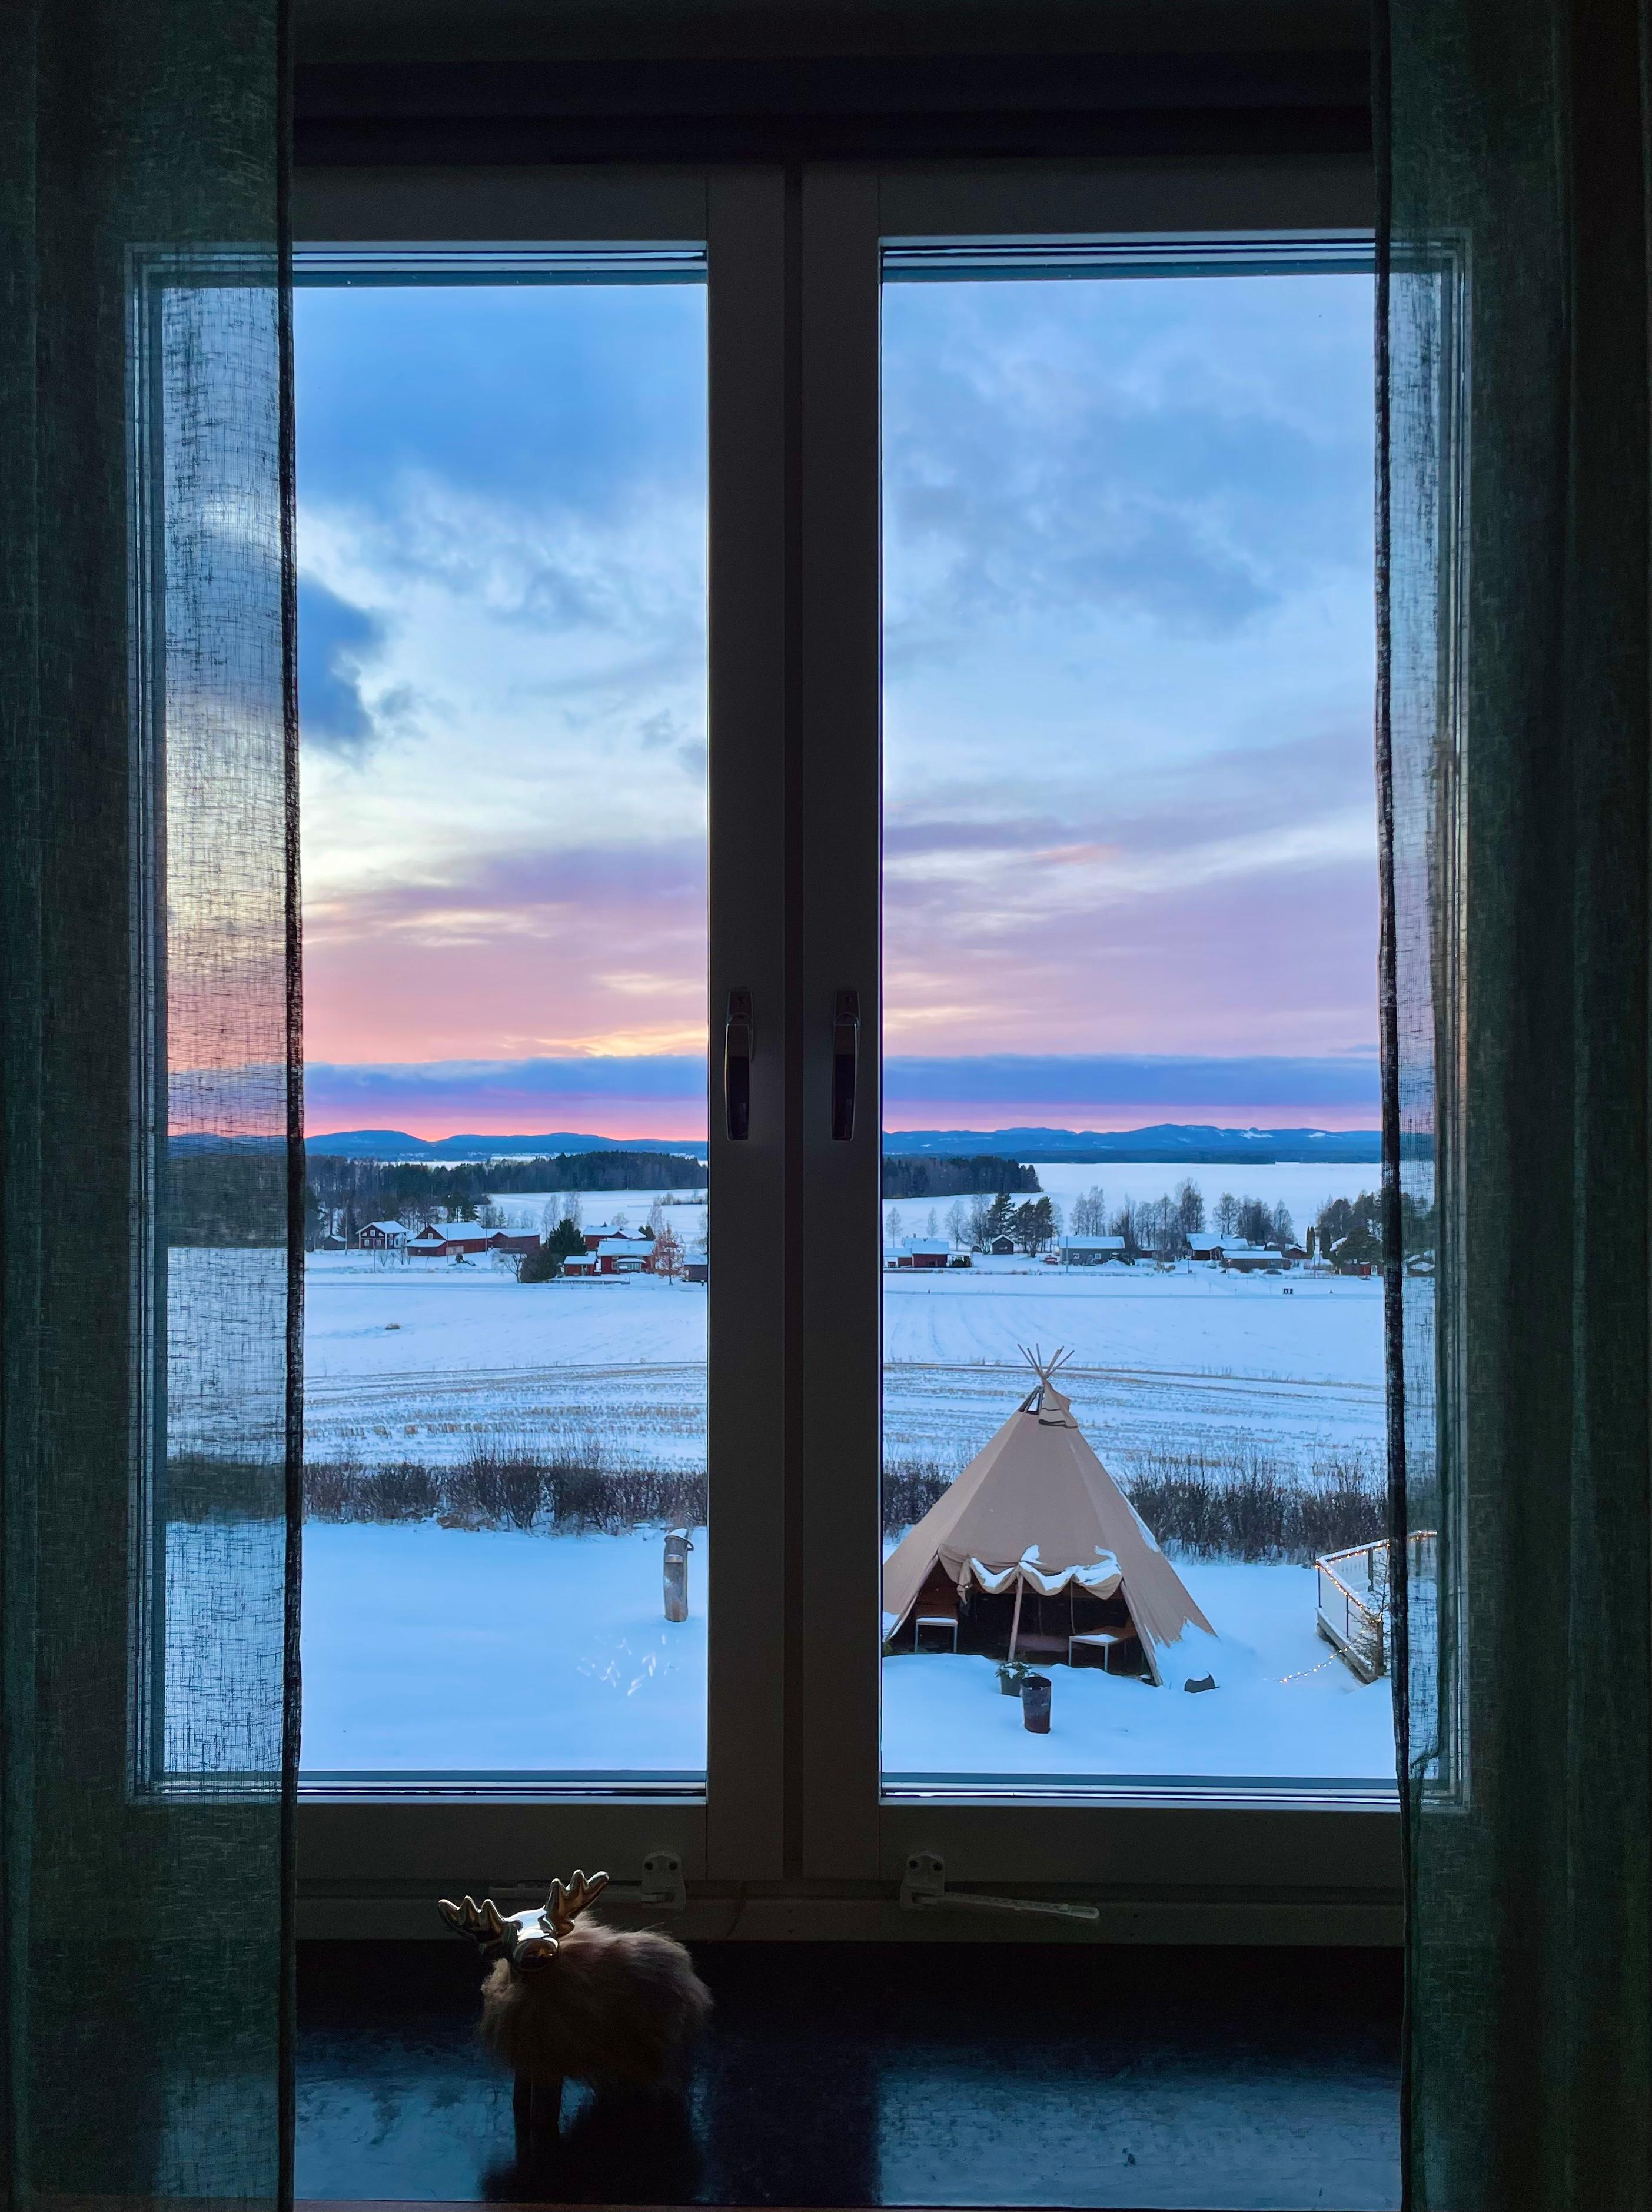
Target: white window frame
[(792, 1837), (379, 1849)]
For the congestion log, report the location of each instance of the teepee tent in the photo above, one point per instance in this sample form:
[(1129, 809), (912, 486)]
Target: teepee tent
[(1035, 1552)]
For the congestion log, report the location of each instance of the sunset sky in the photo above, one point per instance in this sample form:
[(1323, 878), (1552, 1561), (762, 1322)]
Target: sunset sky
[(1130, 828)]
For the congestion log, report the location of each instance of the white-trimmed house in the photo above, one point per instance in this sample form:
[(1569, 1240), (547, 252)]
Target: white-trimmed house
[(607, 1232), (456, 1240), (923, 1252), (1244, 1259), (624, 1255), (1088, 1251), (381, 1237)]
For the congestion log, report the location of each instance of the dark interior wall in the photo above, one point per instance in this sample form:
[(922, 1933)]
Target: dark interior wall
[(385, 82)]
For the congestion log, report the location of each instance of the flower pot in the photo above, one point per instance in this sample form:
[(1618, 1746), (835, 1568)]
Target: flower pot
[(1010, 1679), (1036, 1704)]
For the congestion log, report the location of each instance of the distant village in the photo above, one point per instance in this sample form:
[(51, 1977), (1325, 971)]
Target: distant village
[(993, 1234), (1247, 1237), (565, 1250)]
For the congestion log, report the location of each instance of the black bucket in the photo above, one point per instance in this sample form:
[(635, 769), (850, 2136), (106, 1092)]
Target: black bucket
[(1036, 1704)]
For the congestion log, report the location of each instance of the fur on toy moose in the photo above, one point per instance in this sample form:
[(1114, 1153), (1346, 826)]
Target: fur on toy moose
[(568, 1998)]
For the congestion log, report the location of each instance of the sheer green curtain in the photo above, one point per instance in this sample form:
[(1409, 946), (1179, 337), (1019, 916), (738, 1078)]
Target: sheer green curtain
[(1513, 151), (147, 1107)]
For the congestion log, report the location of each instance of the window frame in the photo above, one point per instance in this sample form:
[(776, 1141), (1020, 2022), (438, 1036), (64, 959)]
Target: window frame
[(365, 1832), (853, 1828), (793, 1836)]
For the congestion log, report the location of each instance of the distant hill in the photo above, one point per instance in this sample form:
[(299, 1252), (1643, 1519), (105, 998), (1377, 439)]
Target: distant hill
[(396, 1144), (1172, 1143)]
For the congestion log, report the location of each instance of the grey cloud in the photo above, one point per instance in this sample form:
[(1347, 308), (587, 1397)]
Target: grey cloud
[(336, 639), (1014, 481)]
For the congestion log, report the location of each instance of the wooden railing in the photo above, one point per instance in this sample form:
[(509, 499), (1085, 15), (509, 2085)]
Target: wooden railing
[(1351, 1599)]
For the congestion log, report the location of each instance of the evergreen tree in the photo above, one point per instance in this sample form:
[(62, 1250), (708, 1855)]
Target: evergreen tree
[(1034, 1225), (999, 1215)]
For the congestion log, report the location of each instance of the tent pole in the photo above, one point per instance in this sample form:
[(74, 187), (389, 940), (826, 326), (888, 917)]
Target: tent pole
[(1014, 1619)]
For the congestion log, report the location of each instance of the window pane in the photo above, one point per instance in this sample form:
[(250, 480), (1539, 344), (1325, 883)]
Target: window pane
[(502, 524), (1131, 1082)]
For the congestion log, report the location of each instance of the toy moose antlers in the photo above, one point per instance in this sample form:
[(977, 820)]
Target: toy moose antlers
[(570, 1999)]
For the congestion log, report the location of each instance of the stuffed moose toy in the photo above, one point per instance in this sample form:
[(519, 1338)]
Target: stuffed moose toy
[(569, 1999)]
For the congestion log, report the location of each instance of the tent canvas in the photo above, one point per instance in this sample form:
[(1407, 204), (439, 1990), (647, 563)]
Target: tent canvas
[(1037, 1511)]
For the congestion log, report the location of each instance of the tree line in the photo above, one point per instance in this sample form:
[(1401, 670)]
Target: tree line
[(1349, 1231), (1345, 1232), (908, 1176)]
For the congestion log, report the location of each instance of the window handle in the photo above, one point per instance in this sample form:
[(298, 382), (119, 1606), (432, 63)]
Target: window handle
[(738, 1040), (845, 1055)]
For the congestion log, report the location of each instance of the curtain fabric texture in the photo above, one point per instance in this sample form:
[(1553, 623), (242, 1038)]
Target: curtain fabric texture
[(1514, 768), (148, 1110)]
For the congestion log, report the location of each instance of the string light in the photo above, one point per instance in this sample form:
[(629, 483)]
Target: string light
[(1303, 1673)]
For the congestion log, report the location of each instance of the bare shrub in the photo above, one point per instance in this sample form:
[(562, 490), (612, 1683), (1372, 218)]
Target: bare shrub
[(575, 1487), (1215, 1498), (500, 1489), (401, 1490), (911, 1486), (1239, 1501)]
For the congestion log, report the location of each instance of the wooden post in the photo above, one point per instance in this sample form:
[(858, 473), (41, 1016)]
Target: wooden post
[(1014, 1619)]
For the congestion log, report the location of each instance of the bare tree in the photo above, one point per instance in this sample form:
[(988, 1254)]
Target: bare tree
[(1089, 1213), (666, 1258), (1227, 1214)]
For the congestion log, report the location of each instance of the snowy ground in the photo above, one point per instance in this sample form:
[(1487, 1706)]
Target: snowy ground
[(453, 1650), (1283, 1706)]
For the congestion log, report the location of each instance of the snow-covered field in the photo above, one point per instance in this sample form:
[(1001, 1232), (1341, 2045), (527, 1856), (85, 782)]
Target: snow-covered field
[(453, 1650), (458, 1649), (457, 1652), (419, 1360)]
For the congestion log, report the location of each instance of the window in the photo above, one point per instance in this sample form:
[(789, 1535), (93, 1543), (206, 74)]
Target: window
[(1130, 936), (502, 496), (897, 752)]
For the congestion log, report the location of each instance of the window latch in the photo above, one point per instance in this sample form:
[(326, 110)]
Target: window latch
[(923, 1887), (738, 1037), (845, 1055)]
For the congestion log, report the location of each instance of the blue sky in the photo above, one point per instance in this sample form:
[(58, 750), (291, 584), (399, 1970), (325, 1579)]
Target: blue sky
[(1130, 827)]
